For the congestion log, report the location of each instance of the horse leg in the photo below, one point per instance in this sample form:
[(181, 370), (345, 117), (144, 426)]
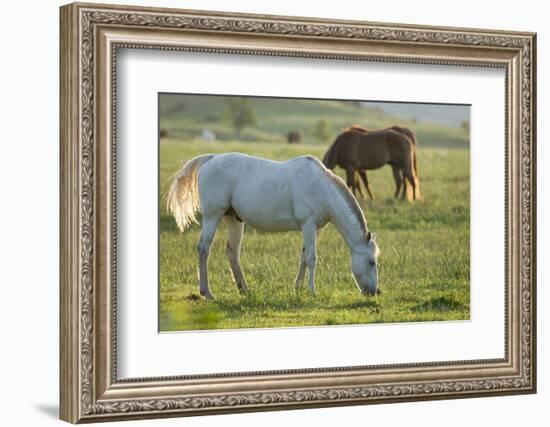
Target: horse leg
[(208, 231), (397, 179), (350, 180), (363, 176), (410, 177), (357, 190), (302, 271), (309, 231), (404, 191), (235, 229), (357, 185), (303, 265)]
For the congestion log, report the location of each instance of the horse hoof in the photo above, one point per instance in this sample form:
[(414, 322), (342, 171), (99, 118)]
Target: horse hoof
[(206, 295)]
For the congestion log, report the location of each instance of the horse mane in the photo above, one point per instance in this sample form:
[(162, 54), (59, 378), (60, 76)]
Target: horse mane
[(340, 185), (356, 128), (330, 159)]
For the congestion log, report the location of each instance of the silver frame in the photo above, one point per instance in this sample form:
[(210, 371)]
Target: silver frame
[(90, 37)]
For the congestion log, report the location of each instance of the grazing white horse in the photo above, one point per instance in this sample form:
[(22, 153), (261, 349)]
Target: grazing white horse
[(298, 194)]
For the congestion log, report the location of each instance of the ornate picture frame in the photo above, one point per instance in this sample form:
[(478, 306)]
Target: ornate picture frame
[(90, 37)]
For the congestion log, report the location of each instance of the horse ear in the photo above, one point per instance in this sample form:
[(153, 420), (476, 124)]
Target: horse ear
[(369, 236)]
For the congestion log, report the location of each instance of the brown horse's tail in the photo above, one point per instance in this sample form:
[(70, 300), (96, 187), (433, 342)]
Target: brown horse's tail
[(331, 156), (411, 135), (414, 158), (416, 179)]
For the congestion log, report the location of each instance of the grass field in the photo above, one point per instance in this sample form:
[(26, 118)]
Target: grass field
[(424, 270)]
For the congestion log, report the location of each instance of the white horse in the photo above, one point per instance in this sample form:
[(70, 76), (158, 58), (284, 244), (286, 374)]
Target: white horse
[(298, 194)]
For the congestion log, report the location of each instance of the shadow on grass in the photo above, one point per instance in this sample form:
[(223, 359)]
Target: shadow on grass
[(441, 303), (372, 303), (252, 302)]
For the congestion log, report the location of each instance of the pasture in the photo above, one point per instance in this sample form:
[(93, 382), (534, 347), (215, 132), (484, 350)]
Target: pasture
[(424, 272)]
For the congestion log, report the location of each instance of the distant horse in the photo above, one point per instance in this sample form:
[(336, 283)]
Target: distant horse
[(294, 137), (358, 149), (208, 135), (298, 194)]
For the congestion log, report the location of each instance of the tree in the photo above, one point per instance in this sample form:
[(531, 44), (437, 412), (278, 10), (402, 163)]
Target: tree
[(321, 130), (465, 126), (241, 114)]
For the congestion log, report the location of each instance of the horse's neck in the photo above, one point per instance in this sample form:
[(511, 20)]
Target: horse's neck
[(346, 220)]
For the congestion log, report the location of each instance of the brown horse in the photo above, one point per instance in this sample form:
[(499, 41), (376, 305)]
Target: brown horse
[(358, 149), (294, 137), (399, 179)]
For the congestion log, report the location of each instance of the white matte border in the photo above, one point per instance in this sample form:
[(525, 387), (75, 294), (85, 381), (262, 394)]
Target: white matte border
[(143, 352)]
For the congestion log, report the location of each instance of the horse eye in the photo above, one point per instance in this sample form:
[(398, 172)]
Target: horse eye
[(373, 263)]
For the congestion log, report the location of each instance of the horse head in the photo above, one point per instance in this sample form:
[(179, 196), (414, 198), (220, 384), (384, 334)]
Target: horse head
[(364, 265)]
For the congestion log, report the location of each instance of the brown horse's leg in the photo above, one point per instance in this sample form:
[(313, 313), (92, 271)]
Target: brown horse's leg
[(397, 179), (350, 180), (404, 181), (363, 176), (410, 177), (357, 187)]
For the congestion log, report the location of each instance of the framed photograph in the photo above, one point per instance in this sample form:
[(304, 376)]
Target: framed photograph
[(266, 212)]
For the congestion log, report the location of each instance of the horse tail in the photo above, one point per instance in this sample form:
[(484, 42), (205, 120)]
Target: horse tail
[(412, 136), (414, 158), (415, 173), (183, 199), (413, 139), (331, 157)]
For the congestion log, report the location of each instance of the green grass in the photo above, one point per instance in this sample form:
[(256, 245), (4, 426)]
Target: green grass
[(424, 263)]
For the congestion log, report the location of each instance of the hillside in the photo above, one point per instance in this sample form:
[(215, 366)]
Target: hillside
[(185, 116), (446, 115)]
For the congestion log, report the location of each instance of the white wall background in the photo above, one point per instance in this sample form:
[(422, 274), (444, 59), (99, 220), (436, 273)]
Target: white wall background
[(29, 170)]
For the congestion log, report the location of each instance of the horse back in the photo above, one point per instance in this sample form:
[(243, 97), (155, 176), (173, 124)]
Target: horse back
[(405, 131), (363, 150)]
